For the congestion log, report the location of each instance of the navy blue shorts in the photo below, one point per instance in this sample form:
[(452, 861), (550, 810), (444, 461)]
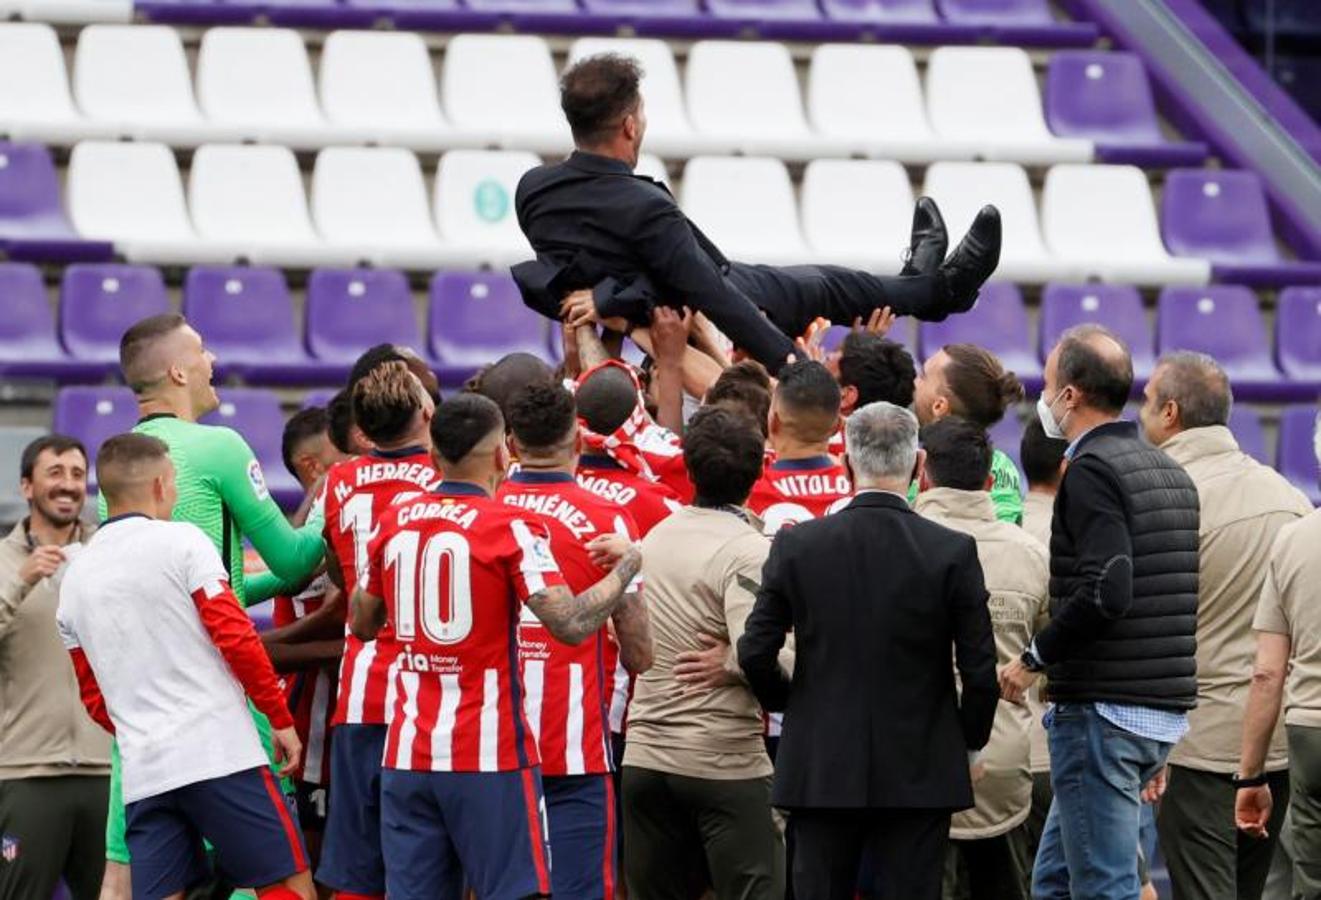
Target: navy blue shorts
[(442, 829), (580, 810), (351, 846), (249, 821)]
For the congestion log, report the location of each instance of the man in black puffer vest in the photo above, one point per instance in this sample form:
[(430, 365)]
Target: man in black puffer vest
[(1119, 652)]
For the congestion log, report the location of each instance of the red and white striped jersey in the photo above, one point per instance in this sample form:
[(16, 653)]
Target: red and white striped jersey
[(796, 490), (359, 493), (310, 693), (454, 569), (648, 502), (568, 688)]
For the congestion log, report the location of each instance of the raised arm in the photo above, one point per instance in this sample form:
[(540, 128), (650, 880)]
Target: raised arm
[(632, 624)]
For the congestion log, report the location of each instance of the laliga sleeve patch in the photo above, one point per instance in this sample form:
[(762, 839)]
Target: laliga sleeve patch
[(257, 480)]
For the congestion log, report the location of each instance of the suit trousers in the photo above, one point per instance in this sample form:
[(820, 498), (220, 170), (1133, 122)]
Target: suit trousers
[(1305, 809), (794, 296), (903, 851)]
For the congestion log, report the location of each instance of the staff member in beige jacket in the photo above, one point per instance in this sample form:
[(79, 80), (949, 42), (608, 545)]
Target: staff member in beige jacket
[(697, 780), (1288, 668), (1243, 506), (982, 862), (54, 761)]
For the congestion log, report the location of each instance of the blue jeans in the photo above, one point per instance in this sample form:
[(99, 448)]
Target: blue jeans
[(1089, 847)]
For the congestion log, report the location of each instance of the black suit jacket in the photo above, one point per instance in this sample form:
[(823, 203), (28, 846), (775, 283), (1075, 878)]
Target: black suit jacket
[(882, 602), (595, 224)]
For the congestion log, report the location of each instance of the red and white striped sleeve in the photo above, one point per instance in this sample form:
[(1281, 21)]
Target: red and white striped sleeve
[(534, 567)]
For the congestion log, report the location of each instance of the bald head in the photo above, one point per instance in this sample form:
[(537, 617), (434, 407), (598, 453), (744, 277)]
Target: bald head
[(1096, 362), (508, 375), (606, 398)]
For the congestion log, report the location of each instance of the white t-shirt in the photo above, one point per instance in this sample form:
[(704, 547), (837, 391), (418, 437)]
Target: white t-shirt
[(180, 715)]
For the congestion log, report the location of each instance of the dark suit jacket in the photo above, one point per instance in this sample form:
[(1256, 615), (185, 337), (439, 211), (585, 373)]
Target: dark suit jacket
[(882, 603), (594, 224)]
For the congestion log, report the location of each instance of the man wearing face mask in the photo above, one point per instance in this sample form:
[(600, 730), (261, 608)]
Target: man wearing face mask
[(1119, 652)]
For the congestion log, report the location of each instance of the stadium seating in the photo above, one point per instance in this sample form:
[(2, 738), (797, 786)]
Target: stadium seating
[(506, 87), (476, 318), (1116, 306), (1104, 97), (256, 415), (28, 345), (903, 331), (13, 440), (1298, 334), (33, 224), (1225, 322), (98, 303), (34, 89), (92, 414), (998, 321), (1221, 216), (857, 212), (1007, 436), (1296, 457), (474, 205), (351, 310), (1015, 21), (1102, 219), (746, 205), (1246, 425)]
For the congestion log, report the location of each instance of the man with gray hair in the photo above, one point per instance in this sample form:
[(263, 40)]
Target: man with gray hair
[(1244, 504), (877, 741)]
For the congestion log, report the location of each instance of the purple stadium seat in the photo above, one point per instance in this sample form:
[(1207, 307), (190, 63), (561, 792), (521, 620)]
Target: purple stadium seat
[(680, 18), (256, 415), (324, 14), (1026, 22), (1221, 216), (33, 224), (28, 346), (904, 331), (476, 318), (1296, 459), (1225, 322), (882, 12), (320, 397), (349, 310), (1116, 306), (997, 321), (1105, 97), (246, 317), (99, 302), (197, 12), (1245, 422), (790, 19), (93, 414), (433, 15), (1298, 334)]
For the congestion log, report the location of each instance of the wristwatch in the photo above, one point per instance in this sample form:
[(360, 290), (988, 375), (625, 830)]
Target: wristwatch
[(1030, 661), (1240, 782)]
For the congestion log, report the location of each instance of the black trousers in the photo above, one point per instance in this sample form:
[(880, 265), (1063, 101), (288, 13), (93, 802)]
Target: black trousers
[(682, 834), (54, 828), (1208, 858), (985, 869), (794, 296), (904, 850)]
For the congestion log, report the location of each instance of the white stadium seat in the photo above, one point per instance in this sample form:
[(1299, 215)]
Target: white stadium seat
[(504, 86), (746, 205), (870, 97), (249, 200), (988, 96), (1102, 218), (256, 84), (380, 87), (34, 87), (134, 79), (75, 12), (746, 94), (653, 167), (961, 189), (669, 133), (131, 193), (857, 212), (475, 206), (372, 202)]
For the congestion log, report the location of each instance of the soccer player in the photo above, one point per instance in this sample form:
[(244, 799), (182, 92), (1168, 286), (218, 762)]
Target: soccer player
[(569, 689), (393, 411), (221, 490), (803, 481), (448, 573), (148, 615)]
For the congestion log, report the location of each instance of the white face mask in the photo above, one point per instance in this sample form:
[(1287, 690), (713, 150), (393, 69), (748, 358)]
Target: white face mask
[(1048, 423)]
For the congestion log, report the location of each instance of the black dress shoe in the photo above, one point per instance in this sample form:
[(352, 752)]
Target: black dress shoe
[(973, 261), (929, 241)]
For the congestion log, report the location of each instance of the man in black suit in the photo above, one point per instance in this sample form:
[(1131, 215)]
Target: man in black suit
[(878, 741), (595, 224)]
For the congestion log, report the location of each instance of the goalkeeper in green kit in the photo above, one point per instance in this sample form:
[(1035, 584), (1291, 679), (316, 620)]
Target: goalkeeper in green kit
[(221, 490)]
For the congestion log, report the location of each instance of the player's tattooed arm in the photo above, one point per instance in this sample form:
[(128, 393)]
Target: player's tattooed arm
[(366, 615), (633, 632), (572, 619)]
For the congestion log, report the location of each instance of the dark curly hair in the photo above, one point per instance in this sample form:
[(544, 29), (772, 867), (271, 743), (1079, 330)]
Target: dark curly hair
[(541, 415), (597, 92), (880, 369), (724, 453)]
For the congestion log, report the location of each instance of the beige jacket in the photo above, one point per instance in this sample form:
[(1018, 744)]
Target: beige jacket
[(1038, 508), (1016, 569), (1243, 507), (702, 569), (1289, 605), (44, 729)]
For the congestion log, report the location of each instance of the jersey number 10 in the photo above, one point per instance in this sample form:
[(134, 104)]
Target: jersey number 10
[(441, 580)]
